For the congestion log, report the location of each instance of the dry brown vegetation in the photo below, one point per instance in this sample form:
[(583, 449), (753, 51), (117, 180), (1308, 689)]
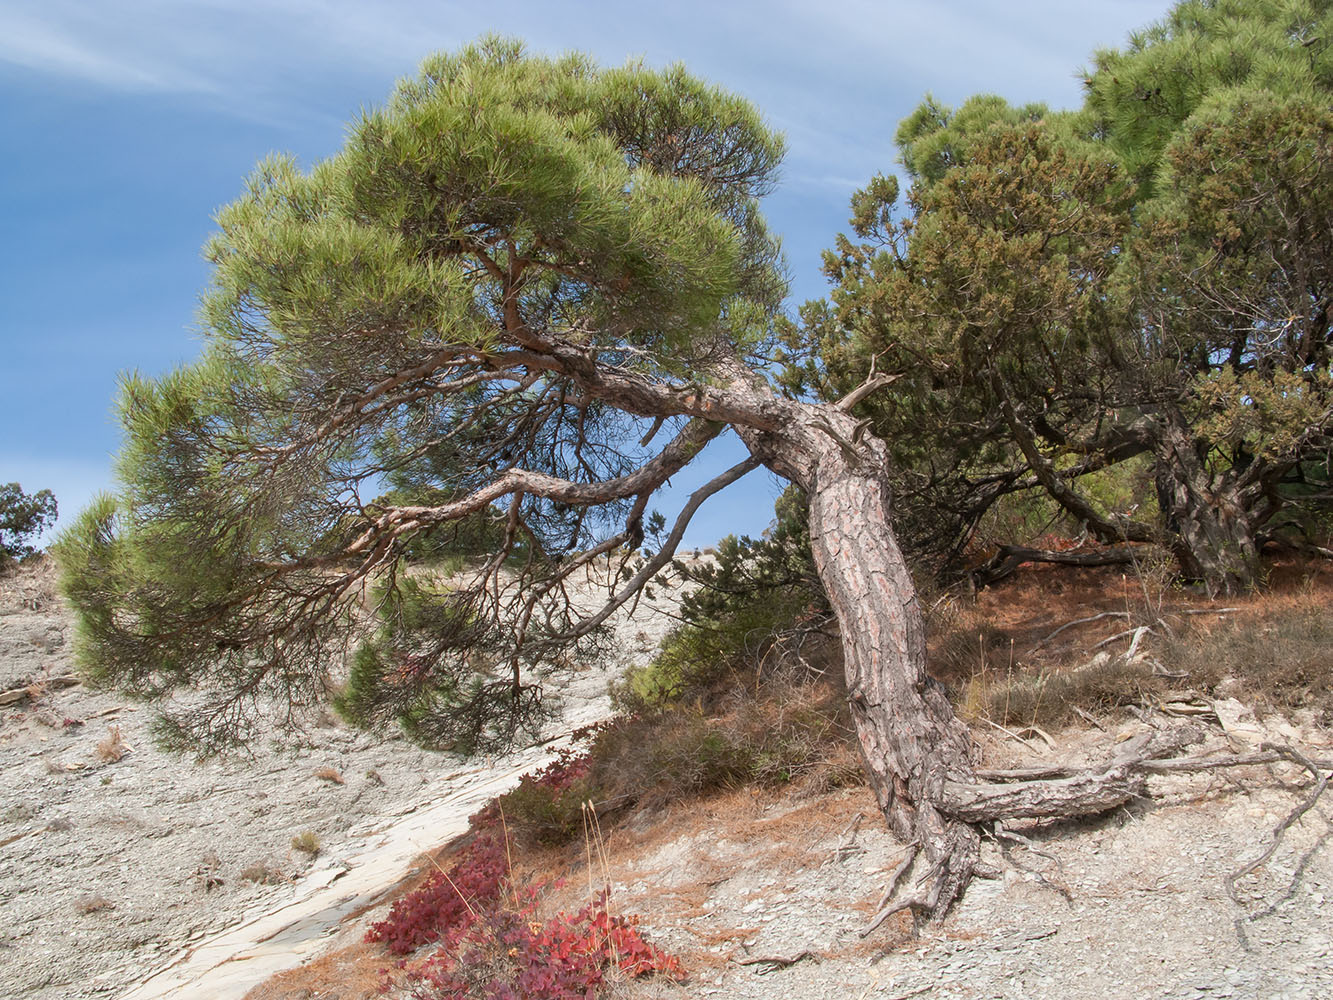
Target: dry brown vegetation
[(93, 904), (112, 747), (307, 842), (1048, 646)]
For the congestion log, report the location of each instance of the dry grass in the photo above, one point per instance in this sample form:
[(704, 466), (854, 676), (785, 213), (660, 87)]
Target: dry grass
[(1054, 699), (262, 873), (112, 747), (307, 842), (1275, 654), (351, 973), (963, 641), (1022, 653)]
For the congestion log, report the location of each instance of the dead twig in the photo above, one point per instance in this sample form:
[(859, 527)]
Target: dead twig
[(1087, 717), (1017, 734), (1078, 621), (1000, 833), (916, 992), (847, 841), (885, 911), (775, 962), (1137, 632)]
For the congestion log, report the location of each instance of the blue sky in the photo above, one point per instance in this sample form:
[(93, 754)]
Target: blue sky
[(127, 123)]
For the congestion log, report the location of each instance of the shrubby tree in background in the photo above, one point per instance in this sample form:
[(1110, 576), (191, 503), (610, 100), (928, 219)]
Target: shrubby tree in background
[(23, 516), (1136, 290)]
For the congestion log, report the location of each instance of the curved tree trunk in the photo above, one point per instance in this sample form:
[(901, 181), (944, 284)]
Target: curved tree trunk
[(912, 742), (918, 755), (913, 745)]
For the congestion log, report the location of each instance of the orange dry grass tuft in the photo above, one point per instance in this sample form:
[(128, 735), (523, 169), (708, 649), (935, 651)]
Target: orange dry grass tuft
[(112, 747)]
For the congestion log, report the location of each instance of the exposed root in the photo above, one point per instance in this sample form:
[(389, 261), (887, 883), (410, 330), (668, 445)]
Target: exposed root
[(883, 909), (949, 845), (1279, 831)]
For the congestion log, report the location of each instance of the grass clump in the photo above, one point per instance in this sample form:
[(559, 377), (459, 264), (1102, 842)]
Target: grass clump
[(262, 873), (1277, 655), (1054, 699), (112, 747), (307, 842)]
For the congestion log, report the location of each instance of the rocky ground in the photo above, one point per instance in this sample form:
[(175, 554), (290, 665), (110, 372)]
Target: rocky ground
[(1133, 905), (113, 868), (765, 894), (115, 857)]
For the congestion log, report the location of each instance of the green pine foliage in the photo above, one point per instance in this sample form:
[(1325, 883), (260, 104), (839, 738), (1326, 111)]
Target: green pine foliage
[(364, 329), (1070, 296)]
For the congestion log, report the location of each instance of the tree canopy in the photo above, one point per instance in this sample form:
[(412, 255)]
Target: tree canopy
[(23, 516), (1144, 280), (431, 308), (530, 290)]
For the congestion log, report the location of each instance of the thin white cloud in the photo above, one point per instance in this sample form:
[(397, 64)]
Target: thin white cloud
[(70, 47)]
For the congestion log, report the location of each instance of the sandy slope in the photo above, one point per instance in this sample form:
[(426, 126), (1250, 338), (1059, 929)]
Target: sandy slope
[(111, 871)]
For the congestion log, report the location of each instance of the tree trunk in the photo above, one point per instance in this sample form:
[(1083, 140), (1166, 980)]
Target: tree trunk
[(912, 742), (1208, 529), (918, 755)]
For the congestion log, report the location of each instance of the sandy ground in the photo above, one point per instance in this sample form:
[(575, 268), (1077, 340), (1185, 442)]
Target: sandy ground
[(112, 870)]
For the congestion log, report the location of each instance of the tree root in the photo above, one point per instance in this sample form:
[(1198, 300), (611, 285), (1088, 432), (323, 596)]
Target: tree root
[(951, 852), (1279, 831)]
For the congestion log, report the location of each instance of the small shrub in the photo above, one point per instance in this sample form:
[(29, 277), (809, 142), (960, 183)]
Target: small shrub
[(447, 903), (493, 943), (307, 842), (510, 954), (20, 812), (261, 873), (547, 804)]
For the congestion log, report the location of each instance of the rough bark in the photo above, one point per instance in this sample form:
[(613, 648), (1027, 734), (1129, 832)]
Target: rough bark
[(912, 742), (1210, 532)]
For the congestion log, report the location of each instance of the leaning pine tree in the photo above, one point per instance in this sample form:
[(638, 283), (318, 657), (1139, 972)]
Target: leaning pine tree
[(536, 289)]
